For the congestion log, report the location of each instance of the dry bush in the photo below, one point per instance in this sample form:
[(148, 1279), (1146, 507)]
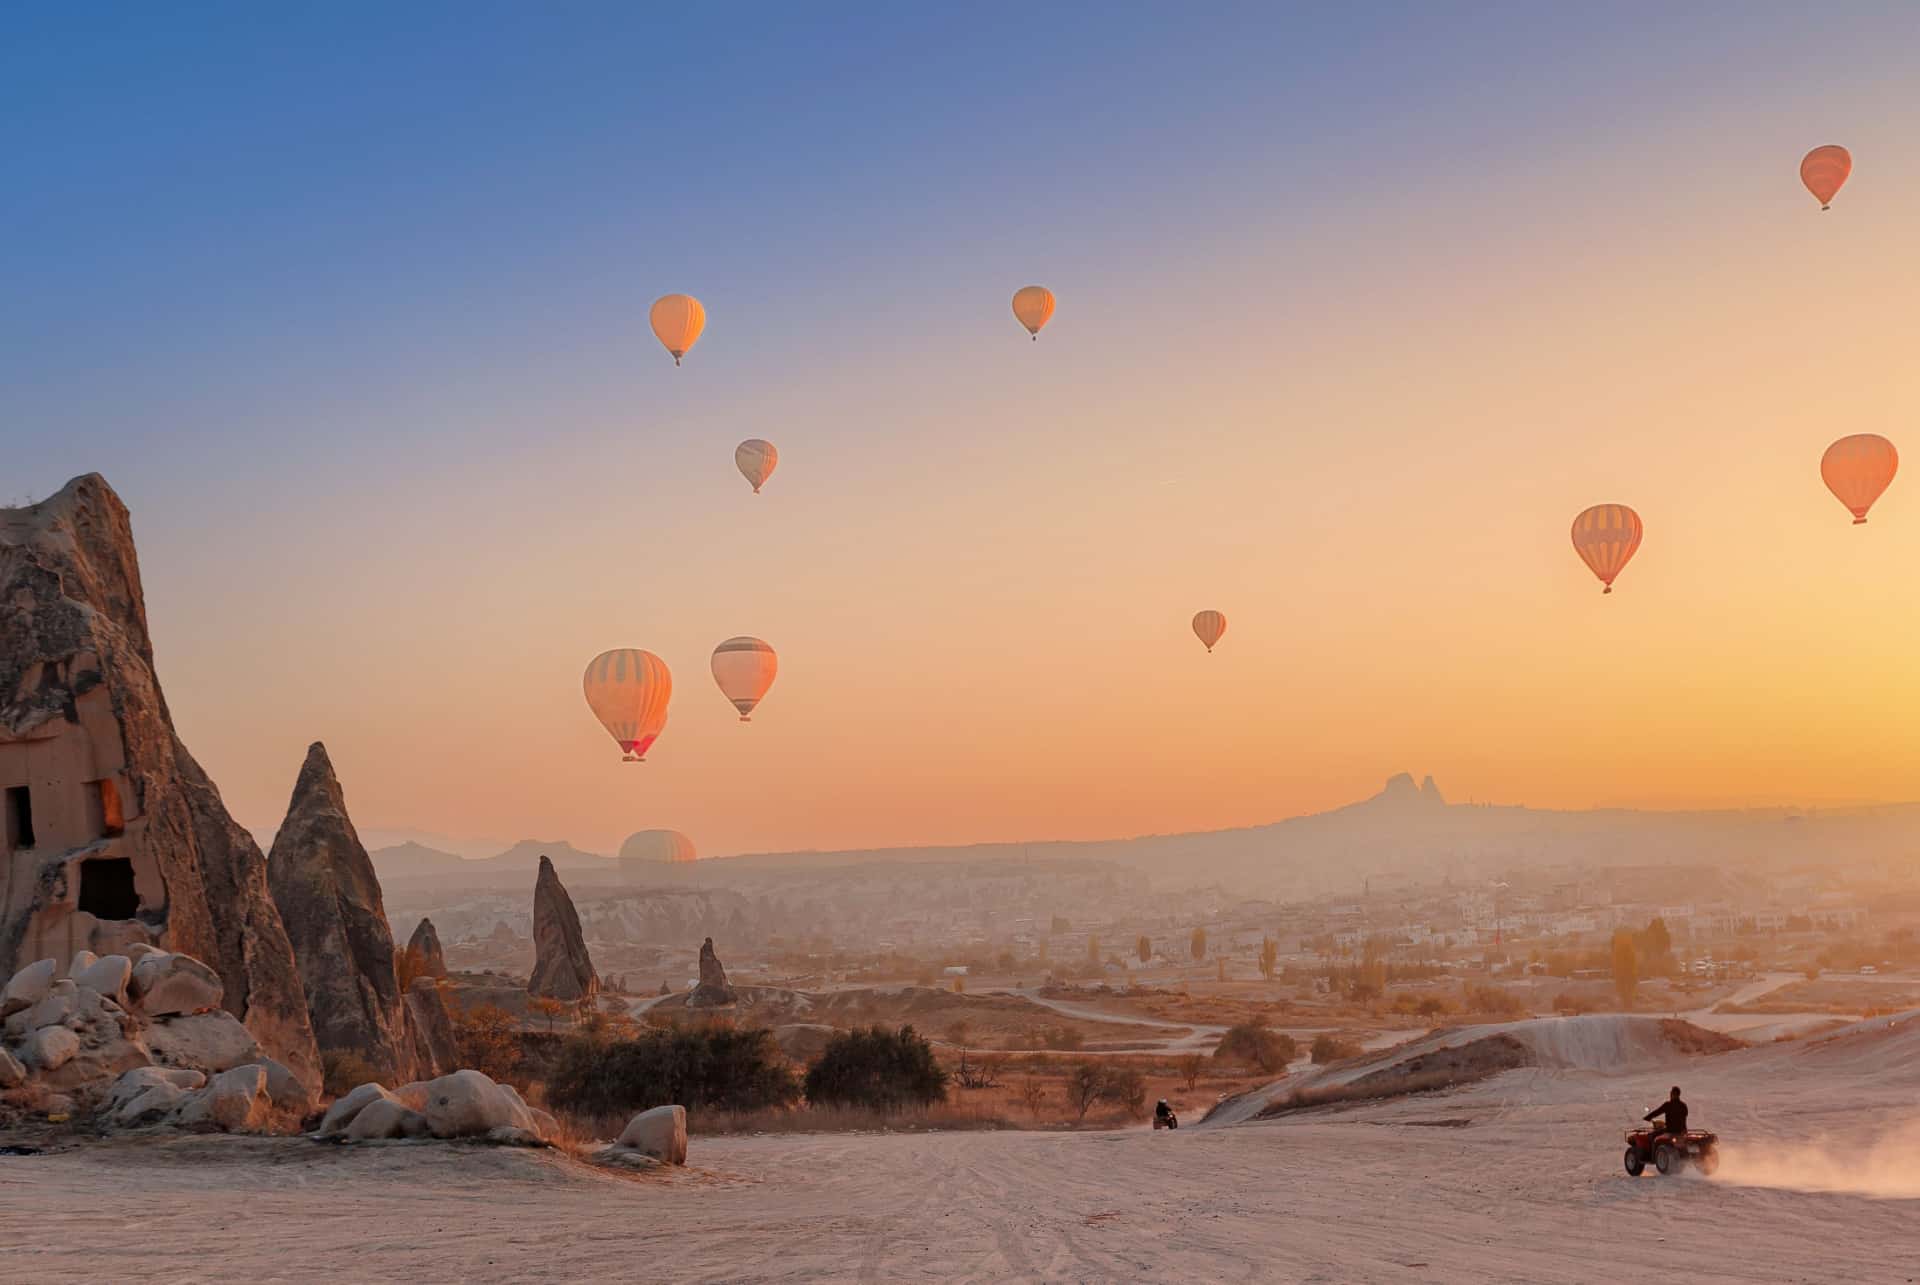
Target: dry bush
[(1328, 1047), (343, 1072), (489, 1040), (408, 964), (842, 1119), (1033, 1094), (1190, 1067)]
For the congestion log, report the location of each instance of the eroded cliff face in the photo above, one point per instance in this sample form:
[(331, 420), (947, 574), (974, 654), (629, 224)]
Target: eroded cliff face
[(113, 834)]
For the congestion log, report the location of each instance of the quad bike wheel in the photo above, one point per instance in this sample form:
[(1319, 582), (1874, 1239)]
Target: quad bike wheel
[(1709, 1160), (1666, 1159), (1636, 1164)]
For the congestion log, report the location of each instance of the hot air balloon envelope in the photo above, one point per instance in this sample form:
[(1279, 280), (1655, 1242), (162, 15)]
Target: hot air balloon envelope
[(1605, 536), (1208, 626), (1857, 469), (628, 691), (1824, 170), (1033, 305), (658, 847), (677, 321), (756, 461), (744, 667)]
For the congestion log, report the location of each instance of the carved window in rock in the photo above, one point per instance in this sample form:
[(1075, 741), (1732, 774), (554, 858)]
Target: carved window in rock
[(19, 819), (106, 888)]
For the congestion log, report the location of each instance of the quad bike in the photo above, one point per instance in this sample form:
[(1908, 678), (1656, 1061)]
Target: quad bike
[(1167, 1121), (1668, 1152)]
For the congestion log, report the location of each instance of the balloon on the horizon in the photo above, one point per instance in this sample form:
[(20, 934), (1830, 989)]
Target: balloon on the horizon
[(668, 847), (1605, 537), (1857, 469), (1033, 305), (628, 690), (744, 667), (677, 321), (756, 460), (1208, 626), (1824, 170)]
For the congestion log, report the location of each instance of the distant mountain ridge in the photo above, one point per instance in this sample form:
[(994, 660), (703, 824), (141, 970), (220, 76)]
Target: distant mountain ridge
[(402, 862)]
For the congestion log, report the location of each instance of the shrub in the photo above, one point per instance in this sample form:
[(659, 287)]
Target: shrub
[(876, 1067), (1190, 1067), (1493, 1000), (1253, 1043), (1125, 1088), (1328, 1047), (1084, 1084), (1431, 1006), (489, 1040), (715, 1067)]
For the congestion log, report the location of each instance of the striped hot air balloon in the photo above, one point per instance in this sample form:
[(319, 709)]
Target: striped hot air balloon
[(744, 667), (756, 460), (1823, 170), (1605, 537), (677, 321), (664, 847), (1033, 305), (628, 691), (1208, 626), (1858, 469)]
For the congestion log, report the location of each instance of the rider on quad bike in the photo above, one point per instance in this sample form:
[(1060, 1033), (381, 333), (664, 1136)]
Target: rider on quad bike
[(1163, 1116), (1675, 1112), (1670, 1146)]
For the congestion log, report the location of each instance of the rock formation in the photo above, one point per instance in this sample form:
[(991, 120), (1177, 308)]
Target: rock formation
[(113, 835), (424, 945), (713, 989), (140, 1043), (561, 966), (329, 899), (465, 1104)]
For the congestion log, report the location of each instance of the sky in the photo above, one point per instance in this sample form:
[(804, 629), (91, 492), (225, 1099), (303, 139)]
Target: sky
[(1358, 306)]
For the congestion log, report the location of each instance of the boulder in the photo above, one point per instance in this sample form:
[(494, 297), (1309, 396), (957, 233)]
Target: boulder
[(436, 1050), (660, 1133), (163, 985), (234, 1099), (208, 1042), (61, 1004), (153, 1104), (329, 900), (340, 1115), (27, 987), (82, 960), (713, 989), (467, 1104), (110, 1042), (136, 1082), (130, 820), (12, 1074), (49, 1048), (424, 945), (561, 967), (385, 1118), (285, 1088), (139, 950), (108, 976)]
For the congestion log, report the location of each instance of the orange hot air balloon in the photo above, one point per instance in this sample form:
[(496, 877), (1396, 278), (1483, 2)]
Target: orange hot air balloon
[(1857, 469), (744, 668), (1823, 170), (628, 691), (1033, 305), (756, 461), (1208, 626), (677, 321), (1605, 537)]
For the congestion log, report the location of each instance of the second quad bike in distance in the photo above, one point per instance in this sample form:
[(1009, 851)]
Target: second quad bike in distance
[(1668, 1152)]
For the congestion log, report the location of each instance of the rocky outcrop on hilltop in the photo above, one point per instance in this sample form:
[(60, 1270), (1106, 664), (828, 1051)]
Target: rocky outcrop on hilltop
[(330, 901), (138, 1039), (713, 989), (561, 966), (424, 946), (114, 837)]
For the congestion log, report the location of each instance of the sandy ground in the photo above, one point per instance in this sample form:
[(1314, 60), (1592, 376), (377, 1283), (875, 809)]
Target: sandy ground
[(1515, 1179)]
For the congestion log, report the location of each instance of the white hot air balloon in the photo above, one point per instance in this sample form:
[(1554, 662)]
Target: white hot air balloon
[(628, 690), (756, 460), (744, 667)]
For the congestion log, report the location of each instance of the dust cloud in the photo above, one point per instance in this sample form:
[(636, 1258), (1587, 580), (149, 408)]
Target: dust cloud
[(1887, 1167)]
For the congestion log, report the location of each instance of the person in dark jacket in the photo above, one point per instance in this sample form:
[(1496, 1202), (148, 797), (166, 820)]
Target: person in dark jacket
[(1675, 1113), (1163, 1117)]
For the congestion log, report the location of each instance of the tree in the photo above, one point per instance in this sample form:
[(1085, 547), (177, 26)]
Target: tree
[(957, 1033), (1144, 949), (1199, 944), (1093, 949), (551, 1009), (1221, 970), (1269, 958), (1084, 1085), (876, 1067), (1033, 1093), (489, 1040), (1125, 1088), (1626, 969), (1190, 1067), (719, 1067)]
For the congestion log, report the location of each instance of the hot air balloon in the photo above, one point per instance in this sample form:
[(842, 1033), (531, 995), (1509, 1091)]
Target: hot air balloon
[(756, 461), (1857, 469), (1033, 305), (677, 321), (657, 847), (1823, 170), (1208, 626), (744, 667), (628, 691), (1605, 537)]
